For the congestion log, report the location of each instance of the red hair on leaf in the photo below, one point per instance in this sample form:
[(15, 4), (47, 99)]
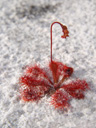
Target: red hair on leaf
[(76, 88), (33, 89), (60, 99), (33, 93), (37, 72), (35, 84)]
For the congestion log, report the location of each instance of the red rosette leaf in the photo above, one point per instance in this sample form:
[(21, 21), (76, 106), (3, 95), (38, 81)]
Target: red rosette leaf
[(76, 88), (31, 81), (37, 73), (60, 70), (60, 99), (34, 84), (54, 68), (34, 90), (33, 93)]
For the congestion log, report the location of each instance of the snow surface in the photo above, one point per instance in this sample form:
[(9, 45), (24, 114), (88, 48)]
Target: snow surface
[(25, 39)]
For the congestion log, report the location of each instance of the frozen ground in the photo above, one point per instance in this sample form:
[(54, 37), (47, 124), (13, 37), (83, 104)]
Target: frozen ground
[(25, 39)]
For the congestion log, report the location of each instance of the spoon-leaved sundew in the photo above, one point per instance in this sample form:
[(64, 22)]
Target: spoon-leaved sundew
[(36, 82)]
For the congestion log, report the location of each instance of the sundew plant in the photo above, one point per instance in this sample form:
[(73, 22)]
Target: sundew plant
[(36, 82)]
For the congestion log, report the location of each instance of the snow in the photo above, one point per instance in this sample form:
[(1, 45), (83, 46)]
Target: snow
[(25, 39)]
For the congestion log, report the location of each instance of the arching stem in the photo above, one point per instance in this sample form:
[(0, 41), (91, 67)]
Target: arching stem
[(64, 30)]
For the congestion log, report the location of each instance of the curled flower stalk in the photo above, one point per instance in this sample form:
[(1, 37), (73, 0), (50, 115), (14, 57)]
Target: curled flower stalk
[(37, 82), (64, 30)]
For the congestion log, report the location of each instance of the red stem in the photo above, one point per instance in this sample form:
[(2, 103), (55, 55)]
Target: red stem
[(51, 36), (64, 30)]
